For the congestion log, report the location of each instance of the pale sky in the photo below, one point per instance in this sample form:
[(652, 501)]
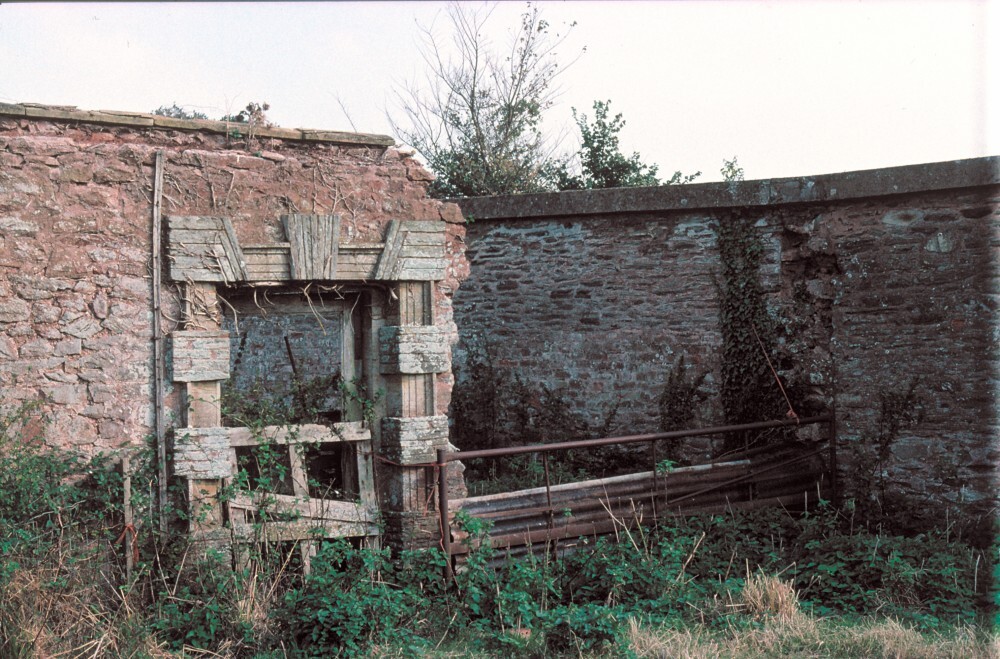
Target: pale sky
[(791, 88)]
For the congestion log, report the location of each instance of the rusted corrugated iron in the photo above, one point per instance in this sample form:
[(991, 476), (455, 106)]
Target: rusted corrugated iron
[(792, 475)]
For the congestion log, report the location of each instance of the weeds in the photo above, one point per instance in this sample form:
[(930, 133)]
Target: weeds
[(760, 583)]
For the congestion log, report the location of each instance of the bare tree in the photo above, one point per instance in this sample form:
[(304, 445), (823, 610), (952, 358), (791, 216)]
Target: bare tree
[(476, 116)]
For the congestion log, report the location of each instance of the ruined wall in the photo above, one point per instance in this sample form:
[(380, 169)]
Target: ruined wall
[(75, 242), (876, 277)]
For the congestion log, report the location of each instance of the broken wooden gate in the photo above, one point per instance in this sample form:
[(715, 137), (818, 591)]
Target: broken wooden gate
[(390, 344)]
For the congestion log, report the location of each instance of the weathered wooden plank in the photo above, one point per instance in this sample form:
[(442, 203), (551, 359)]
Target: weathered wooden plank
[(366, 475), (197, 246), (194, 222), (677, 481), (268, 263), (314, 241), (233, 252), (268, 247), (195, 236), (412, 238), (307, 507), (202, 453), (425, 226), (196, 269), (423, 270), (368, 255), (276, 262), (198, 275), (271, 269), (432, 252), (413, 349), (303, 530), (351, 431), (300, 481), (393, 243), (414, 440), (204, 408), (200, 355)]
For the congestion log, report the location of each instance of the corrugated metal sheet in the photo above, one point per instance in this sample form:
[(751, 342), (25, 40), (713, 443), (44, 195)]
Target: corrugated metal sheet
[(791, 475)]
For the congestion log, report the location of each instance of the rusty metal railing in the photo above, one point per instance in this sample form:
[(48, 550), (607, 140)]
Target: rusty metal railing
[(728, 479)]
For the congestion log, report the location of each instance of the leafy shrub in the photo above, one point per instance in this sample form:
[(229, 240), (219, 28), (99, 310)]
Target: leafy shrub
[(201, 609), (350, 603)]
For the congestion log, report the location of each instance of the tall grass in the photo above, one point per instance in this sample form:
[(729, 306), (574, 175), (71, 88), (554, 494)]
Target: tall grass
[(743, 585)]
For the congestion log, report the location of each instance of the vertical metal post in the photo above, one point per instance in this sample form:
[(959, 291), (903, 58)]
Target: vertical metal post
[(442, 467), (548, 489), (656, 480), (834, 467)]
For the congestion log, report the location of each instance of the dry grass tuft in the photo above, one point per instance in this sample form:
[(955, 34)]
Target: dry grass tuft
[(53, 607), (765, 595), (804, 636), (670, 643)]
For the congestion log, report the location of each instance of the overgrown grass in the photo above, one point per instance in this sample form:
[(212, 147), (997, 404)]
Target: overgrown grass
[(755, 584)]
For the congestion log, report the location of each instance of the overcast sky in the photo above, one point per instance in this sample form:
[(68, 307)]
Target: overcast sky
[(791, 88)]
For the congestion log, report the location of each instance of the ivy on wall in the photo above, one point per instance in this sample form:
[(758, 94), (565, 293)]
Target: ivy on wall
[(748, 388)]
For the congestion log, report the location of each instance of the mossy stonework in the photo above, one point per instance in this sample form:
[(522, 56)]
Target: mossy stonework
[(857, 283)]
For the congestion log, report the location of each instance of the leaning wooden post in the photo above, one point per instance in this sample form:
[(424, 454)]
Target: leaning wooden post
[(127, 511), (159, 361), (442, 466)]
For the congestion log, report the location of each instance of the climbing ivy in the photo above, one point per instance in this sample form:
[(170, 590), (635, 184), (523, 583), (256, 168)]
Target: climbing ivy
[(678, 402), (748, 389)]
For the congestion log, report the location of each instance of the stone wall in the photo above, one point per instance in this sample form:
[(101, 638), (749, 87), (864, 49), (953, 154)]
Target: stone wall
[(879, 278), (76, 195)]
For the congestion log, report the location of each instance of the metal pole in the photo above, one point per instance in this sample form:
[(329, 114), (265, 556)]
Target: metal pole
[(656, 480), (632, 439), (548, 488), (442, 467), (834, 467), (159, 366)]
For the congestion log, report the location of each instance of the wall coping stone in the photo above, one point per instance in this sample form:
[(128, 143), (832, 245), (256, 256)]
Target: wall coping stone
[(143, 120), (825, 188)]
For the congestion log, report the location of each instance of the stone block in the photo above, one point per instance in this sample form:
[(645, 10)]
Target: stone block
[(36, 349), (69, 394), (200, 355), (15, 226), (12, 311), (412, 350), (414, 440), (203, 453), (8, 349), (100, 306), (45, 313), (82, 328)]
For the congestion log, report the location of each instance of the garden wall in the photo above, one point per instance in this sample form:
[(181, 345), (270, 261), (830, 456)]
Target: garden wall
[(878, 279), (76, 254)]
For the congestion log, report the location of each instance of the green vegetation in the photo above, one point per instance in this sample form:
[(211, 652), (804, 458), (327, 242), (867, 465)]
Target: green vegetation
[(476, 117), (602, 163), (175, 111), (493, 407), (742, 584)]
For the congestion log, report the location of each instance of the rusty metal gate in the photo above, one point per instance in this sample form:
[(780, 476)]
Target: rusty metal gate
[(791, 474)]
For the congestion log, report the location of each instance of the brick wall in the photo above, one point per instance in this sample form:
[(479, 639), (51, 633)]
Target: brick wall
[(75, 244), (879, 277)]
